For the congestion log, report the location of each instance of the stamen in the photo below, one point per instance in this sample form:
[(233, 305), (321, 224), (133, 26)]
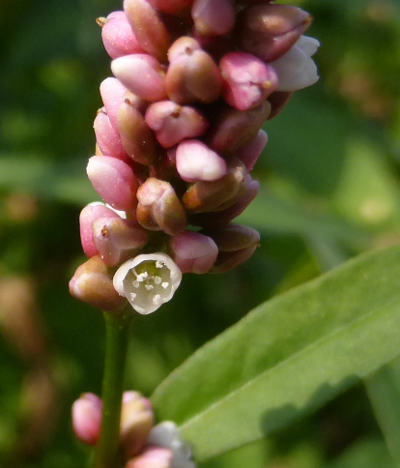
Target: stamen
[(157, 279), (157, 299), (149, 287), (165, 284), (159, 264)]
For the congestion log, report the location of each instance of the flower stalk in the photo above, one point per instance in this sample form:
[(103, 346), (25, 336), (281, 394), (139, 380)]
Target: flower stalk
[(117, 339)]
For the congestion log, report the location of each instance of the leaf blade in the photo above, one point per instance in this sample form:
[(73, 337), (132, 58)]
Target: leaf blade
[(280, 337)]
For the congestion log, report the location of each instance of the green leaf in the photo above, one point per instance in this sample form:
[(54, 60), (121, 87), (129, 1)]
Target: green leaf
[(65, 182), (384, 393), (287, 357)]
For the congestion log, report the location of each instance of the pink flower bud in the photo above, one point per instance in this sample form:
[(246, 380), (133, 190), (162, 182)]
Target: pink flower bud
[(193, 76), (137, 138), (235, 128), (278, 101), (227, 261), (247, 80), (107, 137), (203, 197), (172, 7), (92, 283), (112, 93), (86, 418), (269, 31), (196, 161), (250, 153), (137, 419), (114, 181), (142, 74), (251, 189), (88, 215), (172, 123), (185, 45), (213, 17), (159, 208), (152, 457), (233, 237), (148, 27), (115, 239), (193, 252), (118, 37)]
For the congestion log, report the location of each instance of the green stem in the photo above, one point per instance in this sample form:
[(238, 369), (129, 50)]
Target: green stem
[(117, 338)]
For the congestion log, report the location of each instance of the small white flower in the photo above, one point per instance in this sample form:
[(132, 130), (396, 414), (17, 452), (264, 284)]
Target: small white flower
[(296, 69), (166, 434), (147, 281)]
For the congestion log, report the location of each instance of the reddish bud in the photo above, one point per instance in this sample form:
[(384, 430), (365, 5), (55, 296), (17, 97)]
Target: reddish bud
[(172, 123), (142, 74), (112, 93), (114, 181), (137, 419), (269, 31), (118, 37), (149, 29), (159, 208), (193, 76), (235, 128), (172, 7), (251, 189), (247, 80), (233, 237), (115, 239), (137, 138), (213, 17), (196, 161), (92, 283), (250, 153), (278, 101), (227, 261), (88, 215), (152, 457), (185, 45), (107, 137), (86, 418), (202, 197), (193, 252)]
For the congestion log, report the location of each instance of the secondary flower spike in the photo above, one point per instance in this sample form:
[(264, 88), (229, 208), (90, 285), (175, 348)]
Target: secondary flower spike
[(180, 128)]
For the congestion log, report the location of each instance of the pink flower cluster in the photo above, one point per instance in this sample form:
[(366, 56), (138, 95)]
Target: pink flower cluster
[(180, 131), (142, 445)]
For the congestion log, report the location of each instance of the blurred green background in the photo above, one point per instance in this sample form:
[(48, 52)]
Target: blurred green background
[(330, 189)]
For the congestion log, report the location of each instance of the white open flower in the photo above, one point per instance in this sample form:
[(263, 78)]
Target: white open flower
[(296, 69), (147, 281), (166, 434)]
